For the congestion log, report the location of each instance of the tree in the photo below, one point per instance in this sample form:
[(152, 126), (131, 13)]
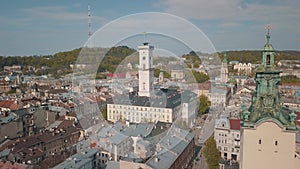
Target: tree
[(104, 113), (157, 72), (195, 76), (211, 153), (204, 104)]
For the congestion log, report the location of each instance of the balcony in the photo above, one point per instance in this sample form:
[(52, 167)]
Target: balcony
[(236, 146)]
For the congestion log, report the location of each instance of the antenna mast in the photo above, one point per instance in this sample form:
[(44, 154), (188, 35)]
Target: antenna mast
[(89, 22)]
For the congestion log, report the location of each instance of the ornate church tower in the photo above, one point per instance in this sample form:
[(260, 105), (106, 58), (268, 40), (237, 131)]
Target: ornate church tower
[(146, 74), (266, 102), (224, 70), (268, 129)]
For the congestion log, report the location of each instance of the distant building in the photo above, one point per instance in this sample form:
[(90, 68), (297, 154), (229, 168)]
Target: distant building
[(149, 104), (85, 159), (204, 88), (219, 96), (137, 109), (177, 72), (243, 68), (175, 151), (224, 70), (45, 149), (10, 165)]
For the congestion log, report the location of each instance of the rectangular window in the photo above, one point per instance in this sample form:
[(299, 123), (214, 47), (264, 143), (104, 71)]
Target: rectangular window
[(268, 60)]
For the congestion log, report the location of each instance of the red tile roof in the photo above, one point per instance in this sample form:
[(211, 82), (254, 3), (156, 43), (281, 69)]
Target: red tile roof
[(6, 103), (290, 84), (9, 165), (10, 104), (235, 124), (116, 75)]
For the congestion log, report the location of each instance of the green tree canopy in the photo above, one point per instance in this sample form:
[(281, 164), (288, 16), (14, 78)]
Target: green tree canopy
[(157, 72), (204, 104), (211, 153), (195, 76), (104, 113)]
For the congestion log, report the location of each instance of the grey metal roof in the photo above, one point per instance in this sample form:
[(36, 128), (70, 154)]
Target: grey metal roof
[(172, 145), (162, 161), (142, 130), (162, 98)]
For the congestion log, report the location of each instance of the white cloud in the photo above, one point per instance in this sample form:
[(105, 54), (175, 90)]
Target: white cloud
[(283, 12), (242, 21), (203, 9), (234, 10)]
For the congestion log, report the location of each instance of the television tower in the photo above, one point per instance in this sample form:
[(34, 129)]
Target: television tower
[(89, 22)]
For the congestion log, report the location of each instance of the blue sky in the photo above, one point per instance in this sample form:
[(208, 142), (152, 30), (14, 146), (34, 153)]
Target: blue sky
[(35, 27)]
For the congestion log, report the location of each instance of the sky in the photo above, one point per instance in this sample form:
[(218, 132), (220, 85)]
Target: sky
[(35, 27)]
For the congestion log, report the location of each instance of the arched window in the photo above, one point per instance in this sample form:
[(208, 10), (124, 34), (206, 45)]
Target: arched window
[(268, 60)]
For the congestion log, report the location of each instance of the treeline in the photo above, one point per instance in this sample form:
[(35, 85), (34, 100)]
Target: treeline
[(58, 64), (54, 62), (254, 56), (114, 57)]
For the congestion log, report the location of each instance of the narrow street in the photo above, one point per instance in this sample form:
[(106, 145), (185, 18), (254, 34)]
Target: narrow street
[(202, 131)]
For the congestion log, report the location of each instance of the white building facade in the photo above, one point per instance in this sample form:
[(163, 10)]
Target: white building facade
[(227, 136)]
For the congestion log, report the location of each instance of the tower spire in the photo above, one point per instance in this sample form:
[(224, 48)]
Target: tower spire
[(268, 28), (145, 38), (89, 21)]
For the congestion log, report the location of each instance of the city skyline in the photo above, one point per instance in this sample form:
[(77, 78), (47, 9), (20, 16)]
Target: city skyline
[(48, 27)]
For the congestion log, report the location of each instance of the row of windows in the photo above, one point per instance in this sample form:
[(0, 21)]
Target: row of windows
[(139, 108), (139, 114), (275, 142), (133, 118), (226, 149), (237, 135)]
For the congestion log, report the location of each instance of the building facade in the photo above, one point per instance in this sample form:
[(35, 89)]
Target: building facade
[(227, 136)]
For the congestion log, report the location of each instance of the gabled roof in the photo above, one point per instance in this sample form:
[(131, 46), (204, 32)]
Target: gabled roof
[(6, 103), (10, 104)]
